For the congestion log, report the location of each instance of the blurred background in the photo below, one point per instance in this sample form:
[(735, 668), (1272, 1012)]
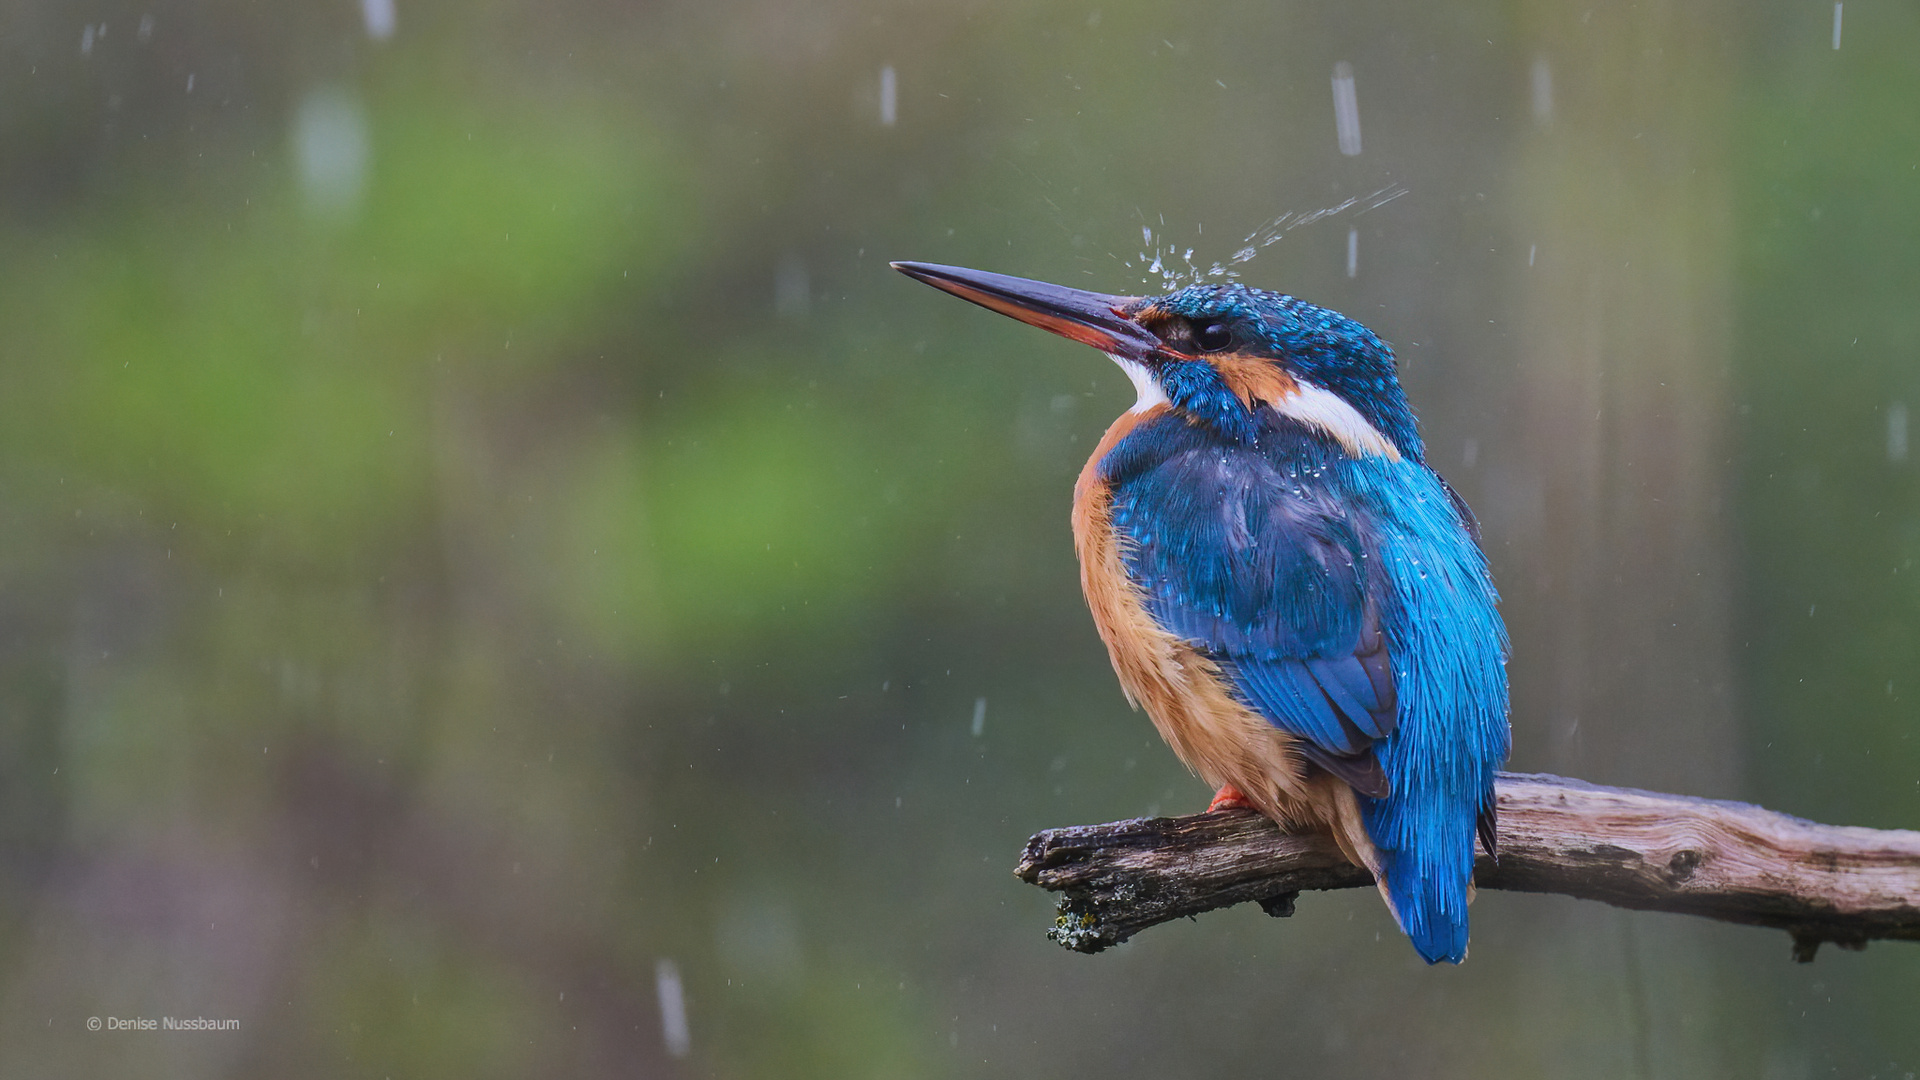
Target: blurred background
[(498, 579)]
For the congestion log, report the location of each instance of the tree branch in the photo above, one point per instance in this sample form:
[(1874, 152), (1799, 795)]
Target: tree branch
[(1635, 849)]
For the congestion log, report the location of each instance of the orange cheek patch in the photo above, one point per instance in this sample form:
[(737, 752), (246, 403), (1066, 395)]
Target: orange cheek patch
[(1254, 380)]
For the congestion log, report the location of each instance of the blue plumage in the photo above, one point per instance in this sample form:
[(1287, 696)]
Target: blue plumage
[(1320, 346), (1273, 513), (1272, 556)]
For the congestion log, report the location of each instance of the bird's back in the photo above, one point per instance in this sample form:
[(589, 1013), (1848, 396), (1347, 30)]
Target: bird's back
[(1343, 604)]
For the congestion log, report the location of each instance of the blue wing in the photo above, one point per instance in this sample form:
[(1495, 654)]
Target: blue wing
[(1247, 553)]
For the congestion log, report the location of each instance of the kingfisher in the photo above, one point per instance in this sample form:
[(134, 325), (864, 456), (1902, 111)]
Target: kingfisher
[(1295, 596)]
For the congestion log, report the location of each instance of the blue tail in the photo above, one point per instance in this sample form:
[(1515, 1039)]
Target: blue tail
[(1427, 855)]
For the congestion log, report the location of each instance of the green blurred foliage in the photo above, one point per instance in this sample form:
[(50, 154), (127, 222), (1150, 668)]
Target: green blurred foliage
[(1828, 340), (1828, 335), (266, 365)]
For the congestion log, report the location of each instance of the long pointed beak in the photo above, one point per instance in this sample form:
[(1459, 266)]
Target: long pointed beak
[(1090, 318)]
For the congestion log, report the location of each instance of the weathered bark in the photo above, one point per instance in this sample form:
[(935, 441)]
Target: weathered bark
[(1634, 849)]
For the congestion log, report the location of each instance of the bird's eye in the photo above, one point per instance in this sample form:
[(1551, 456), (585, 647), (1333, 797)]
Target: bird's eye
[(1214, 336)]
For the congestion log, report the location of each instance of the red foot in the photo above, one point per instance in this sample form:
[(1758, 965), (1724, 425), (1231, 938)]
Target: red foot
[(1229, 798)]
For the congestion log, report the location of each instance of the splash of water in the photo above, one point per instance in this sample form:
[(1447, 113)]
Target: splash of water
[(1176, 269)]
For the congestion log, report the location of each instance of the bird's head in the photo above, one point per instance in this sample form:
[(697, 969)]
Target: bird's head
[(1220, 353)]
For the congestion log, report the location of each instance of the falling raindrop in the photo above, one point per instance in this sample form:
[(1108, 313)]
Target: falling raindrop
[(1542, 90), (330, 150), (1836, 24), (673, 1008), (889, 97), (1346, 109), (378, 16), (1353, 252), (1897, 432), (979, 716), (1171, 277), (86, 41)]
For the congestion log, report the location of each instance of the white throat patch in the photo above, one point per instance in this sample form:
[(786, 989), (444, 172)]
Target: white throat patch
[(1145, 386)]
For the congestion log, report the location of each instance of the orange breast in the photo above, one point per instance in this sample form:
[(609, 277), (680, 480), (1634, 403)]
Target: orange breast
[(1183, 691)]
